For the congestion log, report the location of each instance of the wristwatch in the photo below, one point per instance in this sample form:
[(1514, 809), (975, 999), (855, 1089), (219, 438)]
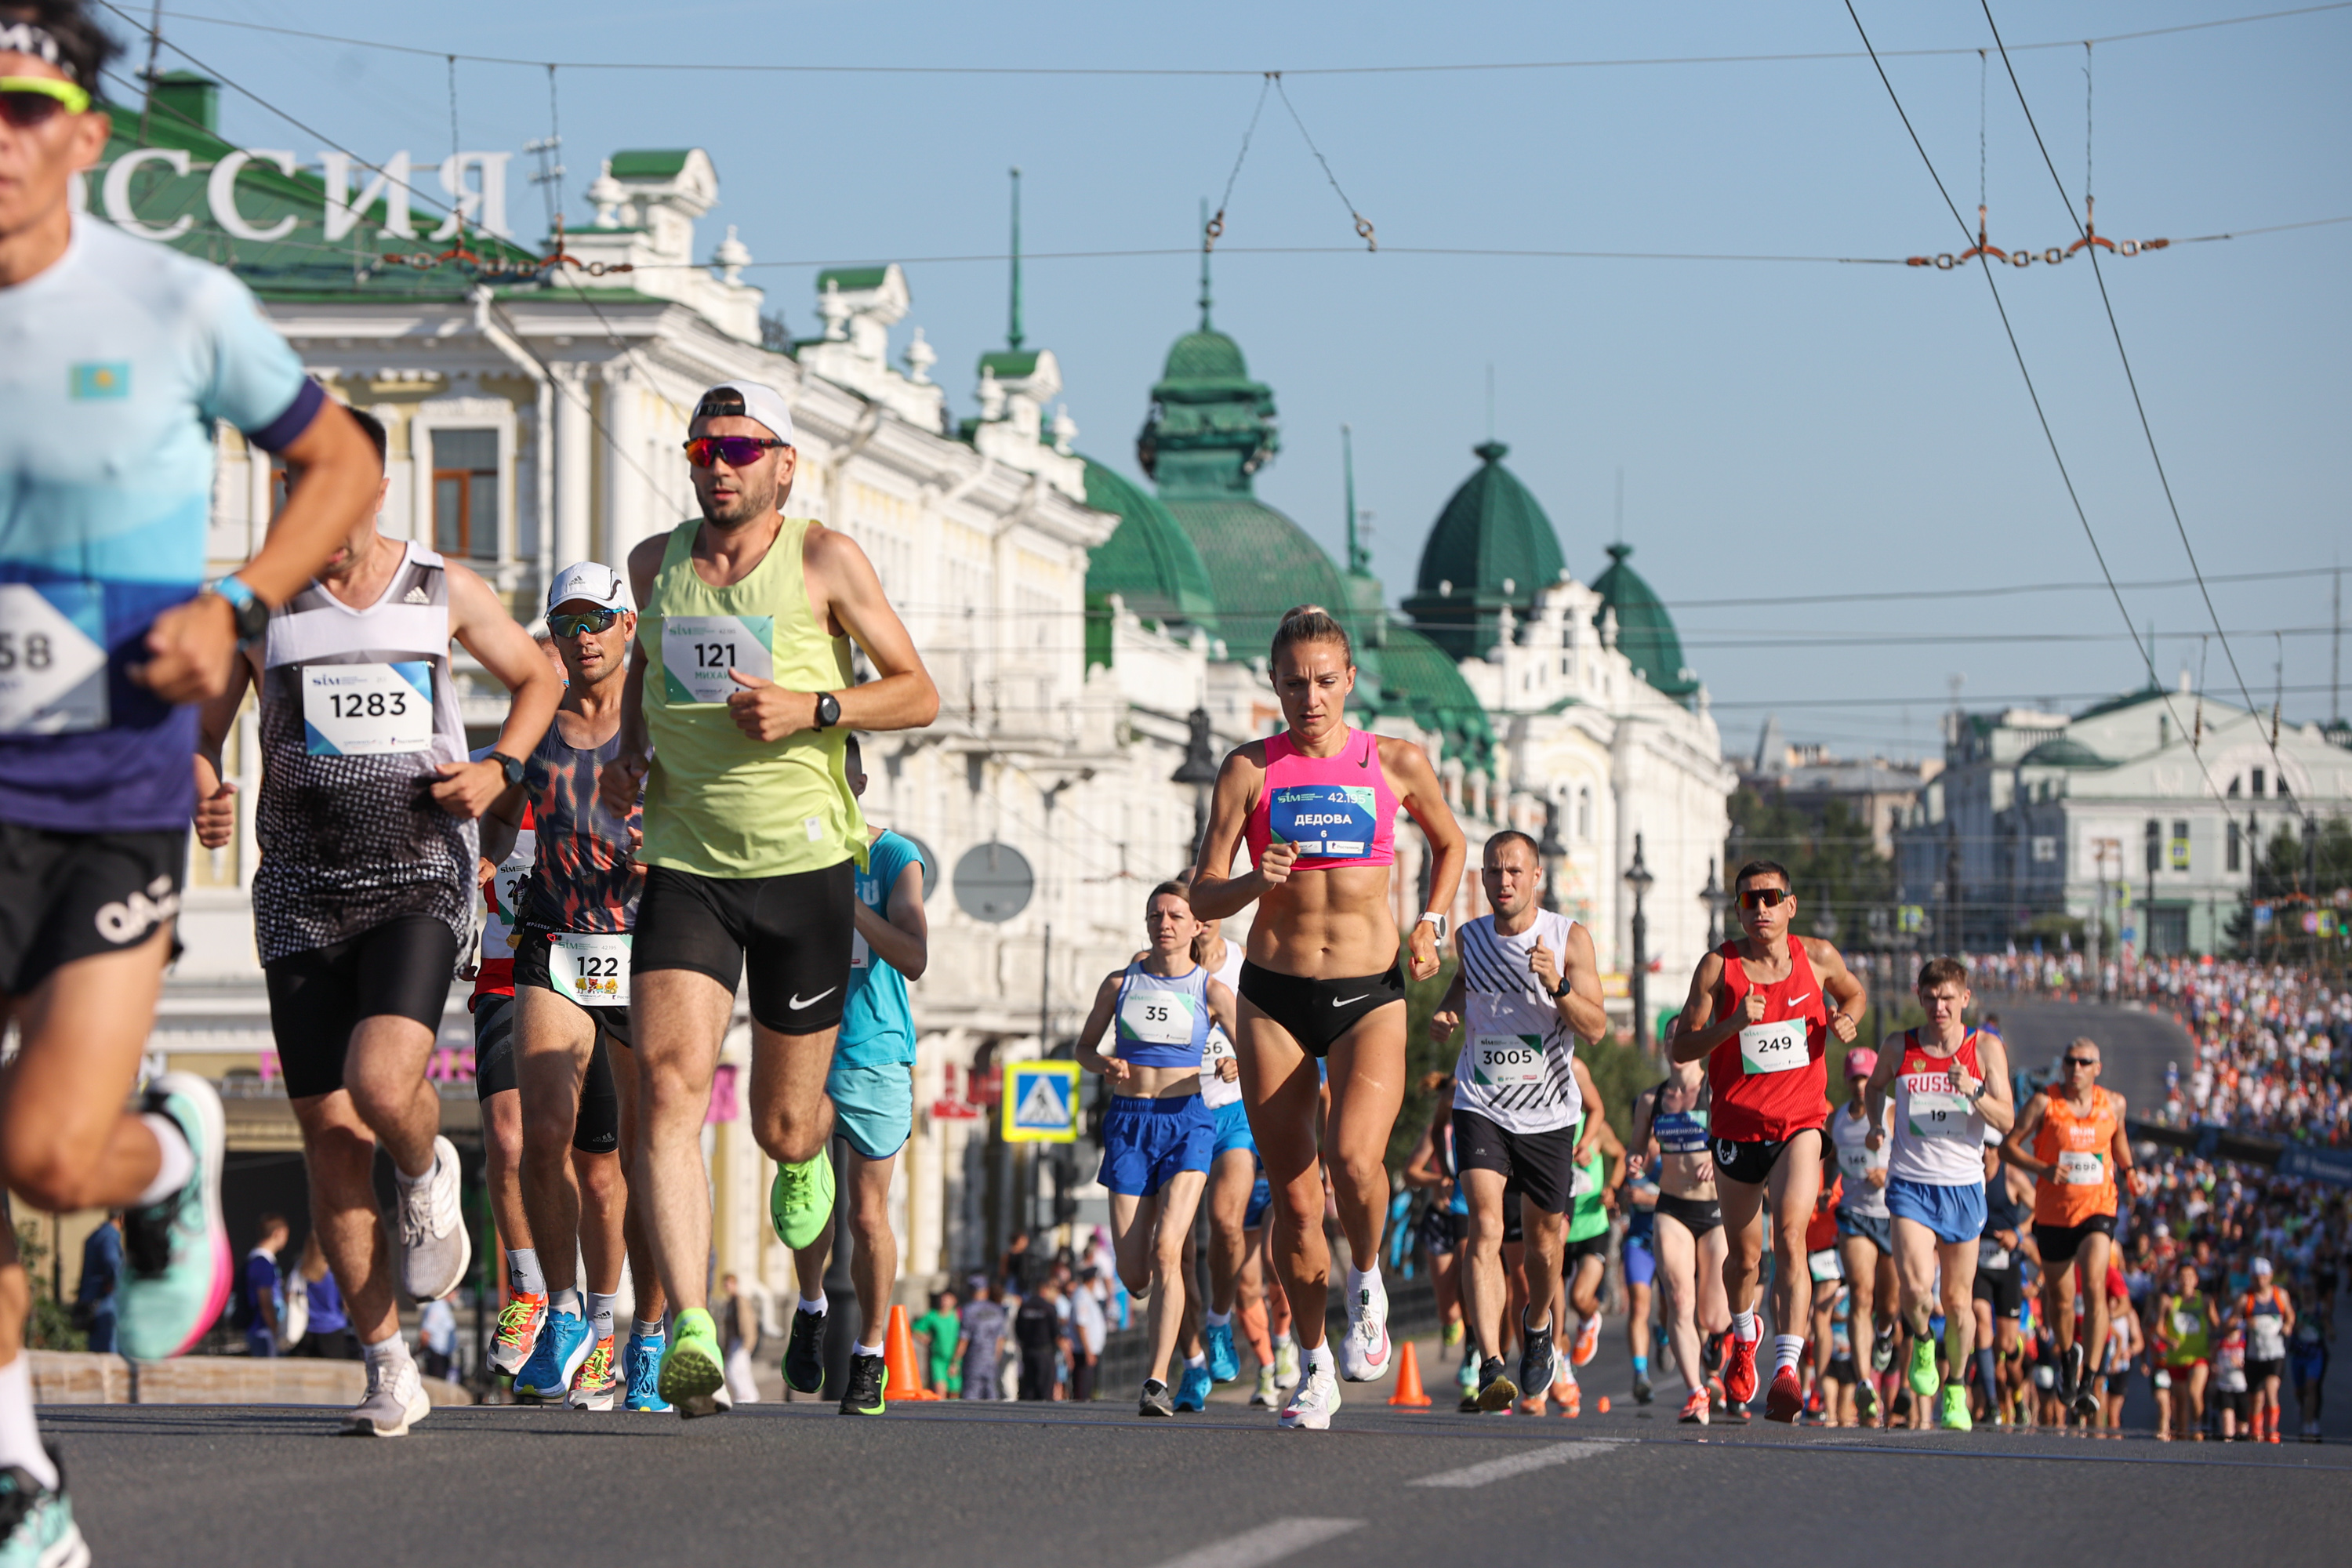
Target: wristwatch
[(1430, 917), (828, 709), (1561, 989), (512, 769), (251, 615)]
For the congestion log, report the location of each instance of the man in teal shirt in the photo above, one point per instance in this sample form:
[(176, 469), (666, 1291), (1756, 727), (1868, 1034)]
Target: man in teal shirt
[(871, 1086)]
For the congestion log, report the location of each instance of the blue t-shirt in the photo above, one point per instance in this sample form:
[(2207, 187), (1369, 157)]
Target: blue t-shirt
[(328, 1315), (115, 362), (876, 1027)]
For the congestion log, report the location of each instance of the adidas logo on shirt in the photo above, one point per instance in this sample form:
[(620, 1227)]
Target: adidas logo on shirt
[(416, 596)]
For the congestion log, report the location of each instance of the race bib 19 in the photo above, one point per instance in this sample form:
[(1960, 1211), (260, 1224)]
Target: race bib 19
[(2077, 1168), (1156, 1017), (591, 968), (1773, 1048), (1324, 819), (1936, 1113), (52, 658), (367, 709), (1506, 1061), (698, 650)]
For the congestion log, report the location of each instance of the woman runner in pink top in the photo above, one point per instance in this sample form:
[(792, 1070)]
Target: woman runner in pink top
[(1325, 976)]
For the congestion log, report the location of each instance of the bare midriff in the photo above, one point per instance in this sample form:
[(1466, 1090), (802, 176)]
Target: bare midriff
[(1326, 924)]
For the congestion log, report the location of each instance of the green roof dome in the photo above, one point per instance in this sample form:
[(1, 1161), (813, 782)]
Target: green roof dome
[(2065, 751), (1211, 426), (1492, 546), (1207, 354), (1645, 633), (1148, 561), (1420, 678), (1259, 564)]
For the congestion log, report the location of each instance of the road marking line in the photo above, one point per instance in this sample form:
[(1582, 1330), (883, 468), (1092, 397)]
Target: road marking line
[(1518, 1464), (1266, 1543)]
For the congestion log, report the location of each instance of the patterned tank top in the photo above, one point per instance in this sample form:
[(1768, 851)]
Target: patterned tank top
[(587, 878)]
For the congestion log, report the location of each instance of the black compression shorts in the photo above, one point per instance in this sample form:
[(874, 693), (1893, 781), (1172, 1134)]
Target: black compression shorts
[(68, 896), (1751, 1163), (2000, 1288), (1542, 1165), (794, 930), (1697, 1215), (1317, 1012), (401, 969), (597, 1131), (2059, 1243)]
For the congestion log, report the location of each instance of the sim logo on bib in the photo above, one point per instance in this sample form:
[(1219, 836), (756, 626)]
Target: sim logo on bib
[(1333, 820)]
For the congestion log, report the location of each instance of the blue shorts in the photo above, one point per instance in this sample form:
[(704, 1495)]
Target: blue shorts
[(1233, 1130), (1147, 1141), (873, 1108), (1641, 1263), (1877, 1228), (1261, 1199), (1955, 1213)]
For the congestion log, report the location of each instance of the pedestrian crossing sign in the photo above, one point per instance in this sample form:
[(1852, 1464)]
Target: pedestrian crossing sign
[(1041, 1103)]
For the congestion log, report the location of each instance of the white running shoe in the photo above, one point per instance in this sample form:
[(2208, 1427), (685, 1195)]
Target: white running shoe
[(1364, 1353), (1312, 1403), (1267, 1394), (1285, 1364), (396, 1401), (430, 1228)]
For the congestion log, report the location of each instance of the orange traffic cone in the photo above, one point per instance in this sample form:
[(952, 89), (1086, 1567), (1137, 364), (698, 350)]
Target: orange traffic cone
[(1408, 1383), (899, 1357)]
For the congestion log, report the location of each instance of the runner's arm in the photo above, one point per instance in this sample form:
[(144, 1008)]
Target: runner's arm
[(1581, 1004), (1423, 799), (1224, 1009), (1613, 1176), (1645, 1105), (1215, 893), (1994, 1104), (215, 818), (482, 626), (2017, 1147), (1874, 1093), (1700, 1034), (1097, 1024), (1840, 984), (194, 643), (900, 937), (1596, 1115), (2127, 1169), (1448, 1016), (620, 781), (901, 696), (1421, 1169)]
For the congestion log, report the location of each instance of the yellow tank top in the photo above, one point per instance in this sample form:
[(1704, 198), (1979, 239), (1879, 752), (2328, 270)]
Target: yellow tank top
[(718, 802)]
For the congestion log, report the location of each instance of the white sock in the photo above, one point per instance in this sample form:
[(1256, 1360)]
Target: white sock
[(419, 1179), (391, 1348), (1786, 1350), (176, 1163), (1217, 1320), (1744, 1325), (1542, 1328), (814, 1305), (524, 1276), (649, 1329), (1319, 1359), (865, 1350), (1196, 1361), (600, 1315), (20, 1433), (1284, 1339), (564, 1301), (1357, 1279)]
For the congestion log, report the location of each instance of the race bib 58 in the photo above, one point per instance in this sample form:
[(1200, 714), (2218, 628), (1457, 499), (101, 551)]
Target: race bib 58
[(52, 658)]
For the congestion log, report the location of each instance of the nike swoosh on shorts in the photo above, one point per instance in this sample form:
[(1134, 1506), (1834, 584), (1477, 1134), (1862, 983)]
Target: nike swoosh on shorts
[(1343, 1001), (799, 1001)]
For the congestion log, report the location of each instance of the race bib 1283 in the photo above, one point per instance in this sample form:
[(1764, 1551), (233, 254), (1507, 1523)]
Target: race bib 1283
[(367, 709), (698, 650)]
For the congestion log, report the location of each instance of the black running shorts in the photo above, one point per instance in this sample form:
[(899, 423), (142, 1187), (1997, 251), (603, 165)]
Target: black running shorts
[(794, 930), (2059, 1244), (1697, 1215), (1541, 1166), (2001, 1288), (1576, 1252), (597, 1130), (1751, 1163), (68, 896), (401, 969), (1317, 1012)]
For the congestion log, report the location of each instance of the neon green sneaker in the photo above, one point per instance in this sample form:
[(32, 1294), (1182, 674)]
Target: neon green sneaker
[(1923, 1367), (694, 1369), (800, 1202), (1956, 1410)]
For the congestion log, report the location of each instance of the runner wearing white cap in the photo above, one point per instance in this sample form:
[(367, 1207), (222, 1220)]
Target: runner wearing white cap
[(738, 702)]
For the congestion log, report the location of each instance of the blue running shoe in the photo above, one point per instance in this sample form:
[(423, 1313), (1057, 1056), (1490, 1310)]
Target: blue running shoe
[(1192, 1389), (177, 1253), (1223, 1366), (36, 1525), (564, 1346), (641, 1370)]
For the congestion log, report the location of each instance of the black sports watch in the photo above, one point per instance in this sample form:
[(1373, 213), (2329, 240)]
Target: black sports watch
[(828, 709), (252, 617), (1561, 989), (512, 769)]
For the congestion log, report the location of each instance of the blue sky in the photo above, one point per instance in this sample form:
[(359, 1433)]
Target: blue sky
[(1784, 428)]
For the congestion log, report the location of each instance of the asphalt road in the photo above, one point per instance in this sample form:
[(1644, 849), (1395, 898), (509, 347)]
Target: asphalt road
[(1093, 1487)]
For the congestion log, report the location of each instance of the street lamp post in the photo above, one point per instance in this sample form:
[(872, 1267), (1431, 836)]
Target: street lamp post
[(1638, 877), (1553, 853), (1718, 901), (1198, 768)]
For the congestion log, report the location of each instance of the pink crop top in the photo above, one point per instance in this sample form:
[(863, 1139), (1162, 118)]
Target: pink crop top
[(1339, 810)]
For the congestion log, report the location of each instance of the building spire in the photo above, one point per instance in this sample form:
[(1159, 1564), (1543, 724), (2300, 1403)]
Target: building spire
[(1359, 558), (1205, 264), (1012, 334)]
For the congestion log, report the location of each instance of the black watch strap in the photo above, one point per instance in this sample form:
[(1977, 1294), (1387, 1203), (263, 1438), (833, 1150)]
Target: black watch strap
[(1561, 989), (512, 768), (828, 709)]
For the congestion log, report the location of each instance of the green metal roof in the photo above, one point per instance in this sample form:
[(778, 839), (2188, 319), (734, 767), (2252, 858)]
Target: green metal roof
[(1645, 633), (1421, 677), (1012, 365), (2065, 751), (650, 163), (849, 279), (1494, 545), (1259, 564), (2152, 691), (1210, 427), (1148, 561), (1205, 355)]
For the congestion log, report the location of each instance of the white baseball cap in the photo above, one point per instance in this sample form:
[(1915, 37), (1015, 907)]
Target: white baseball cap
[(752, 400), (594, 582)]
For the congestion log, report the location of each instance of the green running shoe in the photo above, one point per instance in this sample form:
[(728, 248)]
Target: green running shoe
[(801, 1201), (36, 1525), (869, 1380), (1956, 1410), (694, 1369), (179, 1270), (1923, 1367)]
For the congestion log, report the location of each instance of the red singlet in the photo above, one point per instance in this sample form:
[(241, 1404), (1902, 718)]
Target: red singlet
[(1766, 1084)]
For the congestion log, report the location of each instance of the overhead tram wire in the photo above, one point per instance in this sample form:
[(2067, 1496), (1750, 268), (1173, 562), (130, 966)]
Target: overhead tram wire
[(1182, 72), (2146, 657), (2147, 429)]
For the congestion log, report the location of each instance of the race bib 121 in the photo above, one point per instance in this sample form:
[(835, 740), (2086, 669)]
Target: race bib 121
[(698, 650)]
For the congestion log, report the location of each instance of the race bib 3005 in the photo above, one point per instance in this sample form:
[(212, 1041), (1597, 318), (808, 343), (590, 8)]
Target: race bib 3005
[(698, 650), (1506, 1061), (367, 709), (1324, 819), (52, 658), (1773, 1048), (591, 968)]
